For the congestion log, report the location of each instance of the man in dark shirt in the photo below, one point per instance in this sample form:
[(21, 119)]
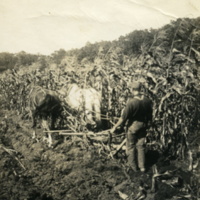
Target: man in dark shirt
[(136, 115)]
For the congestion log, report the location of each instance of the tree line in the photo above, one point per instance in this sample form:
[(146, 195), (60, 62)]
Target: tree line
[(181, 35)]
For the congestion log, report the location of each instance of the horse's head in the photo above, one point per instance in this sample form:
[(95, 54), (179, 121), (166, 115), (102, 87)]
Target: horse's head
[(91, 125)]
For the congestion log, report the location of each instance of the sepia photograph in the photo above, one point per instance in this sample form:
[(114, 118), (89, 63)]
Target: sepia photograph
[(100, 100)]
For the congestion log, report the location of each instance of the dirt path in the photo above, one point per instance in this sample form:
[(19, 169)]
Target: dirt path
[(71, 170), (68, 171)]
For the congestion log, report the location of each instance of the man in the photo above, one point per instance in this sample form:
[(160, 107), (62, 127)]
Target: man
[(136, 115)]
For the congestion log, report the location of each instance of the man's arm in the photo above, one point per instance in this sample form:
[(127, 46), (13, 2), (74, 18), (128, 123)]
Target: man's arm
[(123, 118), (120, 121)]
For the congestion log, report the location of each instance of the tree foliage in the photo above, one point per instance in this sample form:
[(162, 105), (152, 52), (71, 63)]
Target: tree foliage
[(26, 59), (57, 56), (10, 61), (7, 61)]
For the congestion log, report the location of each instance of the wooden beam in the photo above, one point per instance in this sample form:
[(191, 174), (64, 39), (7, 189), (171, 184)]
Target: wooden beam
[(81, 134), (74, 134), (119, 147), (56, 131), (70, 133)]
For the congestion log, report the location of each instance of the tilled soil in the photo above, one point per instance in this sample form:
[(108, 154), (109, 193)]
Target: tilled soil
[(71, 170)]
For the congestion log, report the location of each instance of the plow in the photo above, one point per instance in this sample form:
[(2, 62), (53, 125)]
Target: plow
[(111, 142)]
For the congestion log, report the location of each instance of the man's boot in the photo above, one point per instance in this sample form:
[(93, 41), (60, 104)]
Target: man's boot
[(141, 154)]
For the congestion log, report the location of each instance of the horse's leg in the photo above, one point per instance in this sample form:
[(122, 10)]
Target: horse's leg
[(89, 115), (34, 123), (46, 127), (53, 121), (50, 139), (97, 112)]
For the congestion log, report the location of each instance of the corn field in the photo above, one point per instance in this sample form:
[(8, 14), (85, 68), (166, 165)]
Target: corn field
[(168, 69)]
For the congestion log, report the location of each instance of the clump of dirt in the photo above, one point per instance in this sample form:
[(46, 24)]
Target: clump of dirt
[(71, 170)]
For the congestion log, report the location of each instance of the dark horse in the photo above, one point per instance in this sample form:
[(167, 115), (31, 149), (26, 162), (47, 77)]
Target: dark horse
[(44, 104)]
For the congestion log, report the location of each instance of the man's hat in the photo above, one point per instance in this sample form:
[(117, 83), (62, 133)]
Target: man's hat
[(135, 85)]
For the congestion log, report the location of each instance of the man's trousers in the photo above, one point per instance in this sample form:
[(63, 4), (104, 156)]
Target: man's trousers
[(135, 145)]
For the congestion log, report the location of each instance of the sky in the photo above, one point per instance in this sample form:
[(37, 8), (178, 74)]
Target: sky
[(44, 26)]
